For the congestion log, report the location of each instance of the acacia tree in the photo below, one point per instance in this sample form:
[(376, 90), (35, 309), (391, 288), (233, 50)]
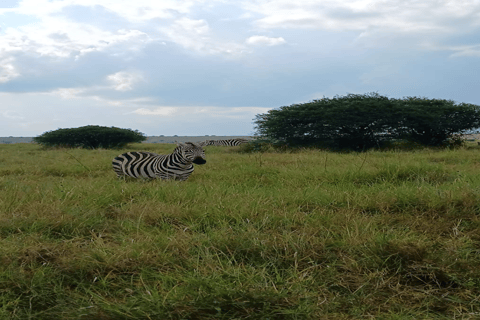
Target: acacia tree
[(90, 137), (360, 122)]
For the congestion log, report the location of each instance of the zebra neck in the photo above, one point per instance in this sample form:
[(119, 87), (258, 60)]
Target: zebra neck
[(181, 161)]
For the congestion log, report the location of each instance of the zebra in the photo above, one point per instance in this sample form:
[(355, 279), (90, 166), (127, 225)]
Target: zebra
[(177, 165), (225, 143), (202, 143)]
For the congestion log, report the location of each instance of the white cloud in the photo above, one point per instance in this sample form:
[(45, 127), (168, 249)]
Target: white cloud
[(195, 35), (66, 93), (379, 23), (197, 27), (121, 81), (190, 34), (133, 11), (55, 35), (263, 40), (401, 15), (61, 38), (7, 70), (124, 81)]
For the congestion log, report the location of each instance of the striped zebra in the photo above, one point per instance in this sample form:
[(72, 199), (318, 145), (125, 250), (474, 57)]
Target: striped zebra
[(177, 165), (225, 143), (202, 143)]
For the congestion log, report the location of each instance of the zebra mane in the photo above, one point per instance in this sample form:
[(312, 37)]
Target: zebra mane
[(193, 144)]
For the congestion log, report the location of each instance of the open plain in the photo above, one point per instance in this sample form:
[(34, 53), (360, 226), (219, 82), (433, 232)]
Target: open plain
[(296, 235)]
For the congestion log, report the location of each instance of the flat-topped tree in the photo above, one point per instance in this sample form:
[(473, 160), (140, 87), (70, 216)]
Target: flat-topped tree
[(361, 122)]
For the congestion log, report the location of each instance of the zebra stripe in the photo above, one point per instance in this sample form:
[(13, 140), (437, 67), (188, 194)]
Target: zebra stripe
[(225, 143), (177, 165)]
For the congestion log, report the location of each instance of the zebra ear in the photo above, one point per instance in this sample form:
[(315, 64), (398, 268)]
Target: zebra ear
[(179, 144)]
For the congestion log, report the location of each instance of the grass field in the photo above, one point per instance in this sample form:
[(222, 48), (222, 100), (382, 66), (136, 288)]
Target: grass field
[(305, 235)]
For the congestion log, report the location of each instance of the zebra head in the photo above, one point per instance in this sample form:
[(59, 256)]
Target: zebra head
[(192, 152)]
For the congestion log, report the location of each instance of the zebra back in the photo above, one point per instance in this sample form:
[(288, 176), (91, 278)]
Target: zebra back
[(177, 165), (226, 143)]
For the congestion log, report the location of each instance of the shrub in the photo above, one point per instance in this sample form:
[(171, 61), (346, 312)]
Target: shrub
[(90, 137)]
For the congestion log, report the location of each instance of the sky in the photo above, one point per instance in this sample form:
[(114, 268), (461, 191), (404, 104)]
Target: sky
[(207, 67)]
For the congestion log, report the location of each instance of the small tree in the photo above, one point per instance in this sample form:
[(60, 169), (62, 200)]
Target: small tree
[(90, 137), (361, 122)]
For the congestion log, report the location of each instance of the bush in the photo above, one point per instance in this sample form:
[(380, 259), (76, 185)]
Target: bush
[(361, 122), (90, 137)]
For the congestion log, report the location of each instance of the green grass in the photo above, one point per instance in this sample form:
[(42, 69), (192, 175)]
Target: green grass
[(304, 235)]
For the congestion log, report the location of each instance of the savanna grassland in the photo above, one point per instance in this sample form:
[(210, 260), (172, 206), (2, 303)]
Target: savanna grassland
[(301, 235)]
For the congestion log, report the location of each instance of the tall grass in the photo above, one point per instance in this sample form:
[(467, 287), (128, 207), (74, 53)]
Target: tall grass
[(305, 235)]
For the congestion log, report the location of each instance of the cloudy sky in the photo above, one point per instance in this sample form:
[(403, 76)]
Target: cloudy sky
[(207, 67)]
